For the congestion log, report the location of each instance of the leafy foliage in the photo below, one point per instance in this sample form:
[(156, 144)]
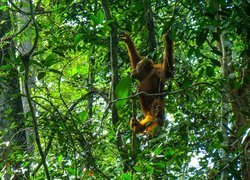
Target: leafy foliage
[(71, 65)]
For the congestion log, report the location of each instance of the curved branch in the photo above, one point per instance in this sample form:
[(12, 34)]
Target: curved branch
[(26, 13), (16, 34), (26, 58), (17, 8), (34, 119), (228, 164), (74, 104)]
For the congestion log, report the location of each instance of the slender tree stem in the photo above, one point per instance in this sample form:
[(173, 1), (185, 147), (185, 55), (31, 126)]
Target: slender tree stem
[(33, 115)]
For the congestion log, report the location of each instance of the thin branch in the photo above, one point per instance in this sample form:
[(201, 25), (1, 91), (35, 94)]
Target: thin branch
[(159, 94), (17, 8), (27, 13), (76, 102), (34, 118), (26, 58), (226, 166), (16, 34), (81, 139), (46, 152), (25, 26)]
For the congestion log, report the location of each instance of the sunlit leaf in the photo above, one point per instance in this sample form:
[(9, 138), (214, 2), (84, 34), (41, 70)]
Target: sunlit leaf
[(170, 152), (60, 158), (122, 90), (77, 38), (71, 171), (82, 116), (246, 135), (100, 15), (126, 176)]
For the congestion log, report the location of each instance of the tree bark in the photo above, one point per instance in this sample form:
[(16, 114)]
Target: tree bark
[(226, 58), (10, 99), (26, 49), (114, 81), (149, 20), (239, 100)]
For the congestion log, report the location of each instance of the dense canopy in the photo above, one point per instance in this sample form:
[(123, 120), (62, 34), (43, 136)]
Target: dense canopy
[(66, 95)]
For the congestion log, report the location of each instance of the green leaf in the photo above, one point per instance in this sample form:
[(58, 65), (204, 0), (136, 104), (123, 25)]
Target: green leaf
[(71, 171), (41, 75), (186, 84), (3, 7), (220, 136), (215, 62), (190, 52), (82, 116), (77, 38), (55, 71), (201, 37), (99, 18), (51, 60), (8, 111), (95, 19), (137, 168), (210, 71), (122, 90), (106, 28), (100, 15), (200, 75), (60, 158), (159, 165), (170, 152), (32, 62), (149, 169), (6, 67), (126, 176), (217, 52)]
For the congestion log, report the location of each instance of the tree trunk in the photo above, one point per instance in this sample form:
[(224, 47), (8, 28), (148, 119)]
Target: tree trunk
[(11, 110), (239, 99), (23, 48), (114, 69), (226, 59), (26, 48), (149, 20)]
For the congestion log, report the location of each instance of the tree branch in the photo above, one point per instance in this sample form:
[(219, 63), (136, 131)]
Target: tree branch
[(16, 34), (159, 94), (25, 59)]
